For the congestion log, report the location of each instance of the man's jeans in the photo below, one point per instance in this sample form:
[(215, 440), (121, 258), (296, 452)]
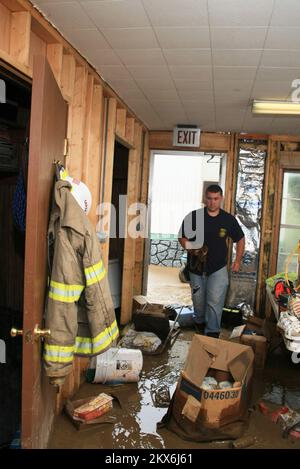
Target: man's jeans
[(208, 295)]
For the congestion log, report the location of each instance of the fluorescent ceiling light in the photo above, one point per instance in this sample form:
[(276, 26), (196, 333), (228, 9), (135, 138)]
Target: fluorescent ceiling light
[(275, 107)]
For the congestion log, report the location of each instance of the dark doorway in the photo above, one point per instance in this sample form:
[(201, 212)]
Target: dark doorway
[(14, 118), (116, 244)]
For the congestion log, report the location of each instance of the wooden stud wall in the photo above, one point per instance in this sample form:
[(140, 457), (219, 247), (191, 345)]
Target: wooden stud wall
[(134, 163)]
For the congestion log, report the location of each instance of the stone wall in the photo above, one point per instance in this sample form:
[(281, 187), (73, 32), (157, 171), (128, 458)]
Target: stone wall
[(166, 252)]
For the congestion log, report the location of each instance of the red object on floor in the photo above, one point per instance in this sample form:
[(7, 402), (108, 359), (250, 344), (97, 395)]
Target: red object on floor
[(264, 408), (295, 434), (275, 415)]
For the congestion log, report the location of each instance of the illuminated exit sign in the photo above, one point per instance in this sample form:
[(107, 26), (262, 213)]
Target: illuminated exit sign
[(186, 137)]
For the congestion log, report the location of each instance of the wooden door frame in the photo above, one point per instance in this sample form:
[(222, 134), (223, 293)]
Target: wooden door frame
[(230, 183), (288, 161)]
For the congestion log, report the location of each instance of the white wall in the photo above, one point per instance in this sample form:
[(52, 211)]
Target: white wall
[(177, 184)]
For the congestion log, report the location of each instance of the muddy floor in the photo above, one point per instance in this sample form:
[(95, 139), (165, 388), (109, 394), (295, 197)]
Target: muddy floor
[(164, 286), (136, 418)]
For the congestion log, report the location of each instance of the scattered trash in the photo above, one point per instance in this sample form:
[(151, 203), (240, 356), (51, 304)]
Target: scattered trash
[(145, 341), (294, 305), (72, 407), (209, 383), (246, 310), (94, 408), (161, 396), (289, 421), (225, 385), (290, 324), (244, 442), (264, 408), (276, 414)]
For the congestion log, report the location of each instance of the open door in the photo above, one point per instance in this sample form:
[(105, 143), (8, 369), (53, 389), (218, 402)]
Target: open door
[(47, 133)]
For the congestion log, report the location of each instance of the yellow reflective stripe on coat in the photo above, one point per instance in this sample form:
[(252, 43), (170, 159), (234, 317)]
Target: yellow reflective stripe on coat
[(86, 345), (58, 353), (95, 273), (65, 293)]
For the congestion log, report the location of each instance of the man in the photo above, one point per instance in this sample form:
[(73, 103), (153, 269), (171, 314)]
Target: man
[(207, 230)]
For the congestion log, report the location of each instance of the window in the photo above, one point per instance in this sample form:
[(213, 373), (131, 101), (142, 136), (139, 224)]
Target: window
[(290, 221)]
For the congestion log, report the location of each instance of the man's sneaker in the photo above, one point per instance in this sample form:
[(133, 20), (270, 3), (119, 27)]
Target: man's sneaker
[(215, 335)]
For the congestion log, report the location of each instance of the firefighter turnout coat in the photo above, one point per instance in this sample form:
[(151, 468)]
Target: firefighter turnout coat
[(79, 309)]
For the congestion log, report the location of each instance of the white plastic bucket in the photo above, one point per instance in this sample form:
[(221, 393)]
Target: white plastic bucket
[(119, 365)]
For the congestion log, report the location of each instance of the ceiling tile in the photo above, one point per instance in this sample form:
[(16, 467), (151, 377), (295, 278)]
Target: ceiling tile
[(202, 105), (286, 75), (103, 57), (87, 39), (131, 38), (223, 87), (131, 94), (167, 106), (182, 38), (169, 94), (117, 14), (195, 95), (40, 2), (234, 73), (141, 56), (123, 84), (271, 90), (177, 12), (286, 13), (280, 58), (184, 84), (236, 57), (188, 56), (238, 38), (239, 12), (283, 38), (170, 111), (68, 15), (109, 72), (155, 83), (198, 117), (154, 71), (191, 72)]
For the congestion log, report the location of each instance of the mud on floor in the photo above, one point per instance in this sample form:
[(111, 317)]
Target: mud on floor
[(136, 420)]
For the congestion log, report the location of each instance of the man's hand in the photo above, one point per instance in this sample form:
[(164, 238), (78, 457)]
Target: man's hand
[(236, 266)]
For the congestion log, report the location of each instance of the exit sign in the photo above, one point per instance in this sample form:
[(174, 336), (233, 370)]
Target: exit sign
[(186, 137)]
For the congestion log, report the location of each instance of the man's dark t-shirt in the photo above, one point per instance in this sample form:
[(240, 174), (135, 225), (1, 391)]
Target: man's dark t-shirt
[(216, 231)]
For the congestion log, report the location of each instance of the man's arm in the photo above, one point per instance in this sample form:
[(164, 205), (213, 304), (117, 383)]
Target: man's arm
[(240, 248), (186, 244), (183, 242)]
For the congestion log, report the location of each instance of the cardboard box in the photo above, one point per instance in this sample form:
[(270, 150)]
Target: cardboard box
[(259, 345), (259, 341), (194, 407)]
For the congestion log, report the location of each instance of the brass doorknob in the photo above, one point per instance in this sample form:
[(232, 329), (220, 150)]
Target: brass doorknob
[(37, 332), (14, 332)]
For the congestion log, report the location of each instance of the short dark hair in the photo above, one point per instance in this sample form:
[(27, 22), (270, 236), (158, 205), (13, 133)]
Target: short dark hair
[(214, 188)]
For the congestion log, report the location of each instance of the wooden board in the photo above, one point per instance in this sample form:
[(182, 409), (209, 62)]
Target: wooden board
[(130, 242), (47, 132), (163, 140)]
